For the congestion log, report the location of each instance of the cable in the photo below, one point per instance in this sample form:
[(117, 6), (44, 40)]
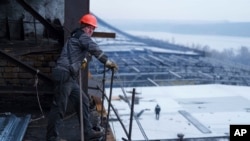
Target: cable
[(37, 95)]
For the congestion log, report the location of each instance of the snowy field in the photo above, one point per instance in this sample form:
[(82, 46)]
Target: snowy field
[(209, 110)]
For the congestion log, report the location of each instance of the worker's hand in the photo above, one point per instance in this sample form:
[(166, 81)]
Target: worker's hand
[(112, 65), (84, 63)]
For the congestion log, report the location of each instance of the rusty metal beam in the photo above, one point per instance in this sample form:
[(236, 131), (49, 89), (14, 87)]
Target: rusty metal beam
[(73, 11), (25, 66), (50, 27), (103, 35), (31, 50)]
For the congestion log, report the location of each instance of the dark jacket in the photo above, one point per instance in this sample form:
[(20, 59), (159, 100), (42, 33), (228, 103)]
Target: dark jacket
[(77, 47), (157, 109)]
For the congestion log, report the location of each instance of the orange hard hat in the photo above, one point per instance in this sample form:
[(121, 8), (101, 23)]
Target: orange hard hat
[(88, 19)]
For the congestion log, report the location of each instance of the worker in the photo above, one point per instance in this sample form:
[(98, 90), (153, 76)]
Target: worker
[(157, 111), (77, 48)]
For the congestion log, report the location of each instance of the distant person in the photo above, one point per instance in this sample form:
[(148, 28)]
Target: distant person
[(157, 111)]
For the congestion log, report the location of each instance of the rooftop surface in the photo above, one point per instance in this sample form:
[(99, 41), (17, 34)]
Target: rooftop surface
[(197, 111)]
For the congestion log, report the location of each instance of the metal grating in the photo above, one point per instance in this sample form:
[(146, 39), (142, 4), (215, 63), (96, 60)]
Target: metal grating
[(13, 128)]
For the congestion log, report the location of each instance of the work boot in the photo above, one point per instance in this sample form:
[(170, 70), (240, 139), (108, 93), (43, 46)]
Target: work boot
[(95, 118), (92, 134)]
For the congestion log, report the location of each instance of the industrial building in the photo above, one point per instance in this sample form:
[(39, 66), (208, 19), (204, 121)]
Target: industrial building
[(31, 37)]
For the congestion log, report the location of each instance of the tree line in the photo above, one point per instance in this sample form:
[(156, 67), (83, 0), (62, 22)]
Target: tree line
[(241, 55)]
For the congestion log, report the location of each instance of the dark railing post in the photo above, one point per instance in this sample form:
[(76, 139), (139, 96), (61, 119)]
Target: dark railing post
[(109, 103), (131, 115), (180, 136), (116, 114), (103, 92), (81, 114)]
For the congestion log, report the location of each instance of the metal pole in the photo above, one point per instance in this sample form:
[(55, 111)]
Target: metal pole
[(136, 119), (131, 115), (109, 102), (180, 136), (103, 92), (81, 116), (116, 114), (34, 22)]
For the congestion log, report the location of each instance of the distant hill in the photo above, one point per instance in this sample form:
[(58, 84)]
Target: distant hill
[(206, 28)]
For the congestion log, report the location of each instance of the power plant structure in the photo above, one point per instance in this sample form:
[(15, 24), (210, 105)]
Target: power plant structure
[(32, 35)]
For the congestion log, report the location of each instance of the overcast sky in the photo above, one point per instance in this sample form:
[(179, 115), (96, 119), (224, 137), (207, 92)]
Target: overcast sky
[(204, 10)]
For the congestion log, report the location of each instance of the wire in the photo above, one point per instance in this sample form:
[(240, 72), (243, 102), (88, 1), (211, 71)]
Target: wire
[(37, 95)]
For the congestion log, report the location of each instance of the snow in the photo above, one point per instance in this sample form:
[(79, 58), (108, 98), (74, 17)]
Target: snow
[(215, 106)]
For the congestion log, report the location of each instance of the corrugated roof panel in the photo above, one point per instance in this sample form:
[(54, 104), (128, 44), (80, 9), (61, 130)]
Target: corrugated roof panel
[(13, 128)]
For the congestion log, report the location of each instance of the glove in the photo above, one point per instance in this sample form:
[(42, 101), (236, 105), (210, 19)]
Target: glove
[(84, 63), (112, 65)]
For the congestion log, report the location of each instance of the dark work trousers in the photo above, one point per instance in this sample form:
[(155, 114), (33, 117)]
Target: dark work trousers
[(66, 89), (157, 112), (157, 115)]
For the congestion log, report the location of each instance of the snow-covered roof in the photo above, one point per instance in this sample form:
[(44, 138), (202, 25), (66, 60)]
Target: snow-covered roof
[(144, 62), (197, 111)]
